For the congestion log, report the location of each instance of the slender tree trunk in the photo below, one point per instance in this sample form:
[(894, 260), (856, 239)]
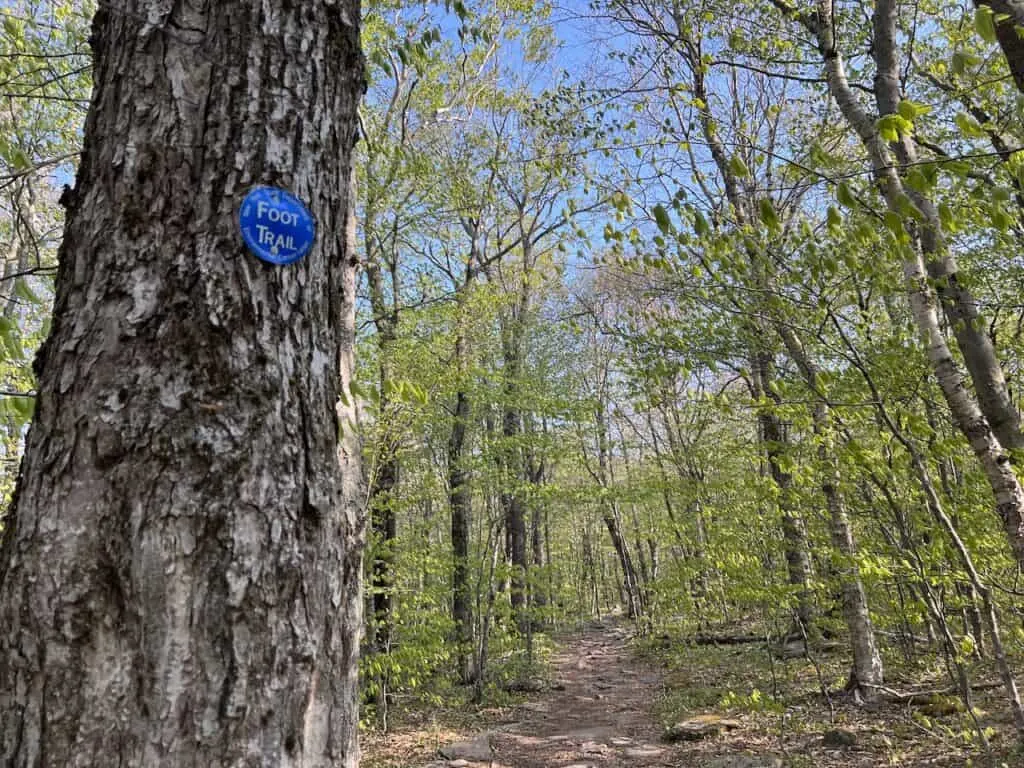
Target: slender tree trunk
[(990, 423), (460, 498), (644, 583), (535, 471), (590, 569), (487, 613), (773, 432), (967, 562), (386, 465), (385, 531), (511, 494), (180, 570), (666, 493), (631, 590), (867, 673), (460, 502), (1009, 19), (794, 534)]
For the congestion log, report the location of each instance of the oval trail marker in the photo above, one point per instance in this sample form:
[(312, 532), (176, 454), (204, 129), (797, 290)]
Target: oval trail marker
[(275, 225)]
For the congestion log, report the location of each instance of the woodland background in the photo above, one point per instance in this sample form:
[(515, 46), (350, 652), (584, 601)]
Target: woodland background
[(709, 313)]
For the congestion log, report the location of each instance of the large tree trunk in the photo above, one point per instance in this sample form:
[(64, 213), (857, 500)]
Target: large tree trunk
[(180, 571)]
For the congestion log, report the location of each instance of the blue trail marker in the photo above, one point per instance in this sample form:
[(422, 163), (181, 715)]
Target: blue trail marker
[(275, 225)]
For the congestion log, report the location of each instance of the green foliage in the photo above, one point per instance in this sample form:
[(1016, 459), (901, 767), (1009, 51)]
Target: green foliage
[(604, 273), (45, 70)]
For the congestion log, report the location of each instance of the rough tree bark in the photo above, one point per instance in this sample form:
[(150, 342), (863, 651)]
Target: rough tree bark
[(180, 570)]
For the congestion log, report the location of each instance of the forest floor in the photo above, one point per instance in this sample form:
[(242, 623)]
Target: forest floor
[(609, 707)]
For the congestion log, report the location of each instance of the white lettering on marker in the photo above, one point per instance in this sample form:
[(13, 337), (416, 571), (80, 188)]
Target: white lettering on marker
[(275, 215)]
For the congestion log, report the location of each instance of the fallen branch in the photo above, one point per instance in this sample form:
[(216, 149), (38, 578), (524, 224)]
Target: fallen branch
[(925, 697), (723, 639)]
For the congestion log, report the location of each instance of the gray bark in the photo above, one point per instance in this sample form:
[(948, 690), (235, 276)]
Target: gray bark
[(867, 674), (180, 570), (958, 305), (631, 589)]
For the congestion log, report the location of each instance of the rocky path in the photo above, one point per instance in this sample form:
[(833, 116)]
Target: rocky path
[(598, 715), (604, 711)]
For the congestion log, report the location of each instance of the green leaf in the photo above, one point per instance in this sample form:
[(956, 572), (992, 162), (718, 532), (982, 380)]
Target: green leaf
[(14, 31), (895, 223), (835, 220), (661, 218), (24, 292), (947, 218), (969, 126), (620, 201), (962, 61), (918, 181), (768, 215), (700, 224), (891, 127), (844, 195), (985, 24), (958, 167), (9, 338), (1000, 218), (738, 167), (909, 110), (24, 407)]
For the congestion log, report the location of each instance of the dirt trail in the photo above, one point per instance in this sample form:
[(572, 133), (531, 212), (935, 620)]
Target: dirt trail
[(599, 715), (602, 713)]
